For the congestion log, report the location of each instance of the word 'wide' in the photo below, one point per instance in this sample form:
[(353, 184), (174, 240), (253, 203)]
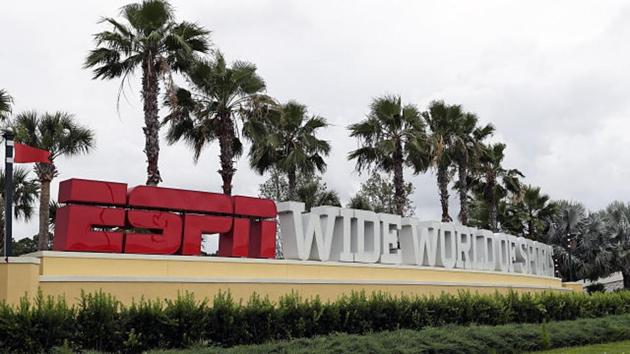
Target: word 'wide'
[(347, 235)]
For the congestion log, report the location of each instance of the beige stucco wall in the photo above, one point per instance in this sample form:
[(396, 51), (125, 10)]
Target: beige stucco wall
[(18, 277), (131, 277)]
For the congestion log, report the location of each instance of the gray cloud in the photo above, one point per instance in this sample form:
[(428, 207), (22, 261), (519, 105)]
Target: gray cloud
[(551, 76)]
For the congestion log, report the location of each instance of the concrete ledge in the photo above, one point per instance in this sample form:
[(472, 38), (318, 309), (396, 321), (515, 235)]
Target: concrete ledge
[(21, 260), (253, 281)]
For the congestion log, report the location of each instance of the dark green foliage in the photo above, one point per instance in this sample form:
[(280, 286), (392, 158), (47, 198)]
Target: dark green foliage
[(35, 327), (100, 322)]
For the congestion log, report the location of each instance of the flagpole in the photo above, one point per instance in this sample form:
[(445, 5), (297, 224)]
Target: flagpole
[(8, 194)]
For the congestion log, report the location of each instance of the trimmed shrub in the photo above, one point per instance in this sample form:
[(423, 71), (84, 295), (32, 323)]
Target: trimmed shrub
[(100, 322)]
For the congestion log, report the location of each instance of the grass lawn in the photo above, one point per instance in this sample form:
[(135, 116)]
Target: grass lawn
[(607, 348), (471, 339)]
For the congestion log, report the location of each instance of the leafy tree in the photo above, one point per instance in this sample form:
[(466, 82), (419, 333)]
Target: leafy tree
[(221, 95), (493, 182), (6, 103), (377, 193), (310, 189), (391, 137), (59, 134), (286, 139), (25, 193), (148, 38), (25, 245), (467, 146), (444, 122)]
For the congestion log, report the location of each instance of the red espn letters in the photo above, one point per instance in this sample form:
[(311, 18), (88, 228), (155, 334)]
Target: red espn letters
[(106, 217)]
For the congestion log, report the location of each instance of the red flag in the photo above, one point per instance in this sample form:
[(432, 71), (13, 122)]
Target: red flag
[(25, 154)]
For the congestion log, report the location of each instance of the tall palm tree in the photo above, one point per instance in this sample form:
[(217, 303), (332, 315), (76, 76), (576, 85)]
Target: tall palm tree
[(444, 123), (495, 182), (220, 96), (149, 38), (467, 147), (286, 139), (59, 134), (6, 103), (25, 192), (391, 137)]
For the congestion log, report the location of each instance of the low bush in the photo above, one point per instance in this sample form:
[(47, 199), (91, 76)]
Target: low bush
[(100, 322)]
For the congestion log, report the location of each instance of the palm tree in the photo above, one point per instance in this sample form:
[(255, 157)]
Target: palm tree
[(6, 102), (565, 232), (313, 192), (494, 182), (467, 147), (536, 210), (444, 123), (618, 216), (59, 134), (221, 95), (286, 139), (25, 192), (596, 251), (391, 137), (148, 38)]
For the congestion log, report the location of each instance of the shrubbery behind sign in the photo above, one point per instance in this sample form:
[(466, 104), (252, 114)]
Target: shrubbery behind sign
[(107, 217)]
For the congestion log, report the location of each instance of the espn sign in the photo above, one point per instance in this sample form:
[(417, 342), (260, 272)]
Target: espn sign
[(108, 217)]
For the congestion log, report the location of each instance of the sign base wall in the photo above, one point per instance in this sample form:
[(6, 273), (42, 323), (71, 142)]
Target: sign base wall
[(130, 276)]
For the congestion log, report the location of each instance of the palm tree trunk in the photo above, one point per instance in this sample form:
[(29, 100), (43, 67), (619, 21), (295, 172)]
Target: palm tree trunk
[(492, 203), (150, 91), (493, 216), (44, 211), (626, 278), (291, 177), (442, 180), (490, 198), (226, 144), (399, 183), (463, 193)]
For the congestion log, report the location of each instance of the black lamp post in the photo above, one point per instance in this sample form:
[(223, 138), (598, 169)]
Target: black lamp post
[(571, 244)]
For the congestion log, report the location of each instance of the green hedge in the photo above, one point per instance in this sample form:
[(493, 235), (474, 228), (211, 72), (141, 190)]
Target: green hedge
[(100, 322)]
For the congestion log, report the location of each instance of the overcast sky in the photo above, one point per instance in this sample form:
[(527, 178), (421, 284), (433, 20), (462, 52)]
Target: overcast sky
[(552, 76)]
